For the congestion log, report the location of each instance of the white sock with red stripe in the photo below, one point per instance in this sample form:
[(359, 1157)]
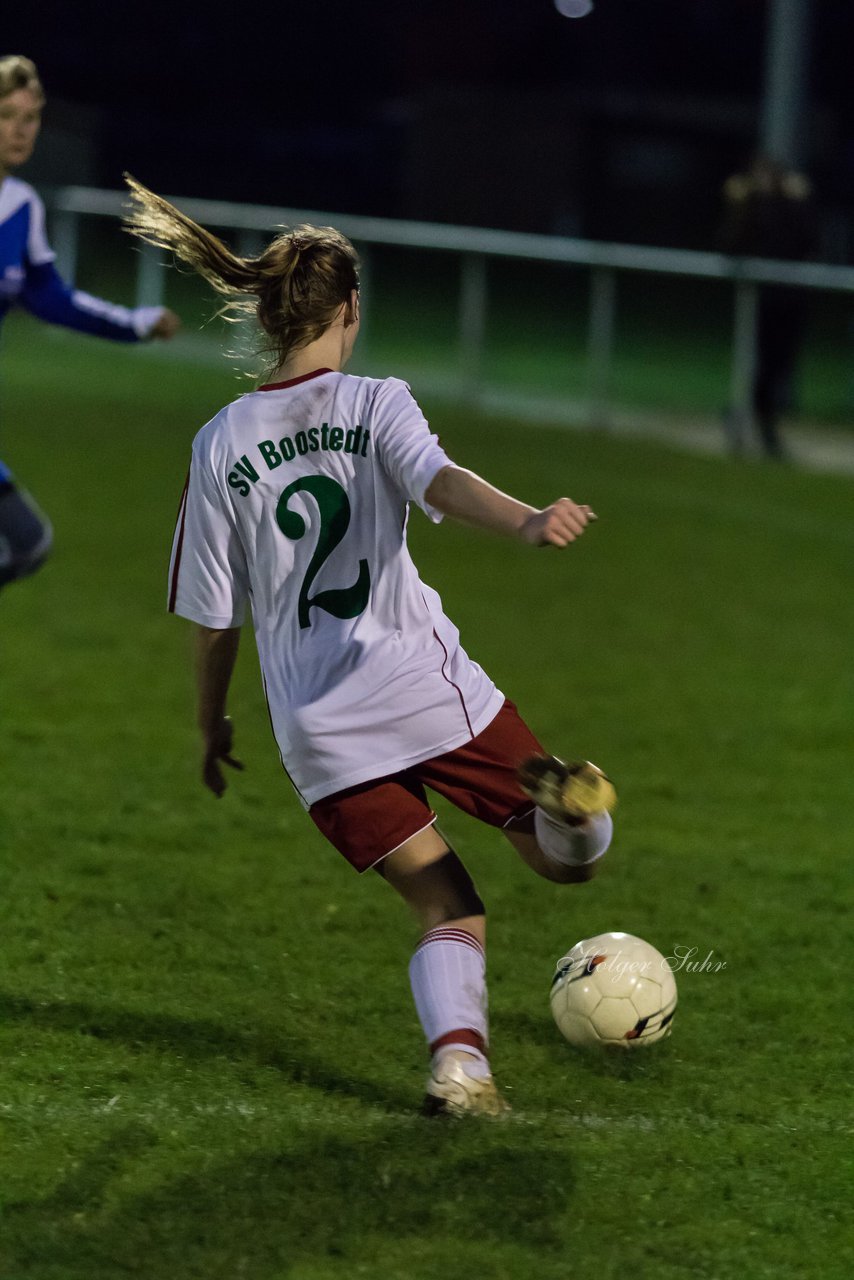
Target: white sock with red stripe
[(448, 977), (573, 846)]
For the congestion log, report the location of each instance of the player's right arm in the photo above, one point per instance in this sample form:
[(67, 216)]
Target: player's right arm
[(209, 585), (45, 294), (465, 496), (216, 654)]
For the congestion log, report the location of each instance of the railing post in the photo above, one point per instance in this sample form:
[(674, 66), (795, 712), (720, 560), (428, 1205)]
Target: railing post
[(739, 419), (65, 233), (250, 243), (150, 277), (600, 342), (472, 322)]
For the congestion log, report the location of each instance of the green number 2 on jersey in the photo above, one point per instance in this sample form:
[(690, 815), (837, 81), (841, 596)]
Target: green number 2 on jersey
[(334, 507)]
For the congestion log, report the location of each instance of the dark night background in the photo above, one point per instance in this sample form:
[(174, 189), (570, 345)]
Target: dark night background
[(622, 125)]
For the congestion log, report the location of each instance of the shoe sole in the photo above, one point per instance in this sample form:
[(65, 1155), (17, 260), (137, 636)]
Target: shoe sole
[(446, 1109), (567, 791)]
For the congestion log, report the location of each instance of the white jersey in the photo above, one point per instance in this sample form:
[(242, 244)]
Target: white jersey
[(297, 501)]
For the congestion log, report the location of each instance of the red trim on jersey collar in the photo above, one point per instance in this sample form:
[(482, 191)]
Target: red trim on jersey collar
[(292, 382)]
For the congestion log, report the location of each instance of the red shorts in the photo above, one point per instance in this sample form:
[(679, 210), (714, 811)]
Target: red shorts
[(369, 821)]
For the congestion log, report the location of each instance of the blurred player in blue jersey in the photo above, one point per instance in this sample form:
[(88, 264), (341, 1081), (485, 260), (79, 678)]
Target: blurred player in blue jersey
[(29, 278)]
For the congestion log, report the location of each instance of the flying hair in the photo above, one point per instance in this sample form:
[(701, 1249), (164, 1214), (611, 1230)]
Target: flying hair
[(295, 288)]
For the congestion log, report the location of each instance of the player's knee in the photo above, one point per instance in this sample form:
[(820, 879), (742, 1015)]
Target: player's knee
[(26, 537), (35, 555)]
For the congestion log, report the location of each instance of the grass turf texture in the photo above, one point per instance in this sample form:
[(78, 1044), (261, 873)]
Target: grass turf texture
[(209, 1062)]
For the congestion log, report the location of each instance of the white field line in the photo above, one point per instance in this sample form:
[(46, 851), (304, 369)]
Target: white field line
[(43, 1111)]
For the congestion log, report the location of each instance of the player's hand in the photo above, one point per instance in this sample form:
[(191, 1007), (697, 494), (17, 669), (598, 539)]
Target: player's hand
[(167, 326), (218, 744), (557, 525)]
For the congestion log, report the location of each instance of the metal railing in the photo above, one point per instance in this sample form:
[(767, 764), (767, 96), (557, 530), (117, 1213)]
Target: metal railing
[(475, 247)]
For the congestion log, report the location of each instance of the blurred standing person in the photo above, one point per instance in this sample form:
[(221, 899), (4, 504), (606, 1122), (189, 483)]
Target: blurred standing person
[(29, 279), (769, 213)]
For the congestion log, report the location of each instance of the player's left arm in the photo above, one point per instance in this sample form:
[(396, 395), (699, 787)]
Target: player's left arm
[(467, 497), (415, 460), (216, 654), (51, 298)]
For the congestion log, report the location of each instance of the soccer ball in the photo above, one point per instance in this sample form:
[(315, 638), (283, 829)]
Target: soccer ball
[(614, 990)]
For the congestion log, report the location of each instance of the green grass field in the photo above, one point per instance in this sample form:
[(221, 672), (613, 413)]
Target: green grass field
[(209, 1062)]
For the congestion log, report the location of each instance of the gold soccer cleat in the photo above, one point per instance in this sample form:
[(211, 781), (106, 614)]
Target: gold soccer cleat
[(451, 1092), (567, 792)]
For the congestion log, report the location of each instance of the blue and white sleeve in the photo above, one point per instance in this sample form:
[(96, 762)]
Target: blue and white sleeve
[(49, 297)]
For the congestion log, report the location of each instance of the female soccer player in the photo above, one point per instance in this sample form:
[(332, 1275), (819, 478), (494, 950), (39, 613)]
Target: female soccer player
[(28, 277), (296, 501)]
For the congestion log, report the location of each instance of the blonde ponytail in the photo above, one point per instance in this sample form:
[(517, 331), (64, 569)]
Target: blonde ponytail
[(295, 287), (159, 223)]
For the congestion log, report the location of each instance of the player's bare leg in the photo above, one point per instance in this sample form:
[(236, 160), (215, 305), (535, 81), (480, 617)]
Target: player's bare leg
[(447, 973), (572, 820)]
